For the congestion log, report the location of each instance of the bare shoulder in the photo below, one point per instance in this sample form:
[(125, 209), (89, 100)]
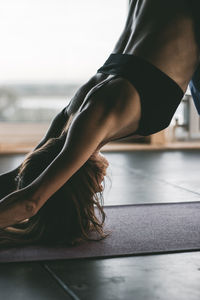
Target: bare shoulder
[(124, 105), (103, 90), (81, 93), (114, 105), (116, 102), (117, 96)]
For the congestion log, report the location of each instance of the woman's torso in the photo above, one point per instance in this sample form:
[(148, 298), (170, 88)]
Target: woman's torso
[(162, 32)]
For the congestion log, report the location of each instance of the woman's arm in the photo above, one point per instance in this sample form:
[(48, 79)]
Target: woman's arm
[(87, 131), (7, 180)]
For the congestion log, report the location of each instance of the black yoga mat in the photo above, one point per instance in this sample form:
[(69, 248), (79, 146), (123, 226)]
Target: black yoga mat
[(136, 229)]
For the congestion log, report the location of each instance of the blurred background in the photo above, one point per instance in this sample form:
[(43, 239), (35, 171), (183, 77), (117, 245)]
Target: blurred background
[(48, 50)]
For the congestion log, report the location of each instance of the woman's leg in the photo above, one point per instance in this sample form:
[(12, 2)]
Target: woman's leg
[(124, 37)]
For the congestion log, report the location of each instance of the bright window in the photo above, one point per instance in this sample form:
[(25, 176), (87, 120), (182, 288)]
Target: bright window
[(49, 48)]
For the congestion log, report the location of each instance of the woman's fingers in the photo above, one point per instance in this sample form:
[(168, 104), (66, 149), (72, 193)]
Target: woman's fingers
[(16, 207)]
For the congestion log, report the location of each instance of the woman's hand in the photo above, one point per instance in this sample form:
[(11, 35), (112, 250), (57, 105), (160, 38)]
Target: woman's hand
[(16, 207)]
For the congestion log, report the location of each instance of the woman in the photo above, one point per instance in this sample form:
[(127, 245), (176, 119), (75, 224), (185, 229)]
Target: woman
[(134, 94)]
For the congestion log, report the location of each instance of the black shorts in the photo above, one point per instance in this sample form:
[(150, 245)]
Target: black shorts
[(159, 94)]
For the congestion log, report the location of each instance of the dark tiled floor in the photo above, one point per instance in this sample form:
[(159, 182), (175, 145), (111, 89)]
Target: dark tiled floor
[(137, 177), (28, 281)]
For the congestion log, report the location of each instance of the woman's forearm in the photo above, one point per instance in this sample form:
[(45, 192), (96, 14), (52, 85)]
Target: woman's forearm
[(86, 133), (15, 208)]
